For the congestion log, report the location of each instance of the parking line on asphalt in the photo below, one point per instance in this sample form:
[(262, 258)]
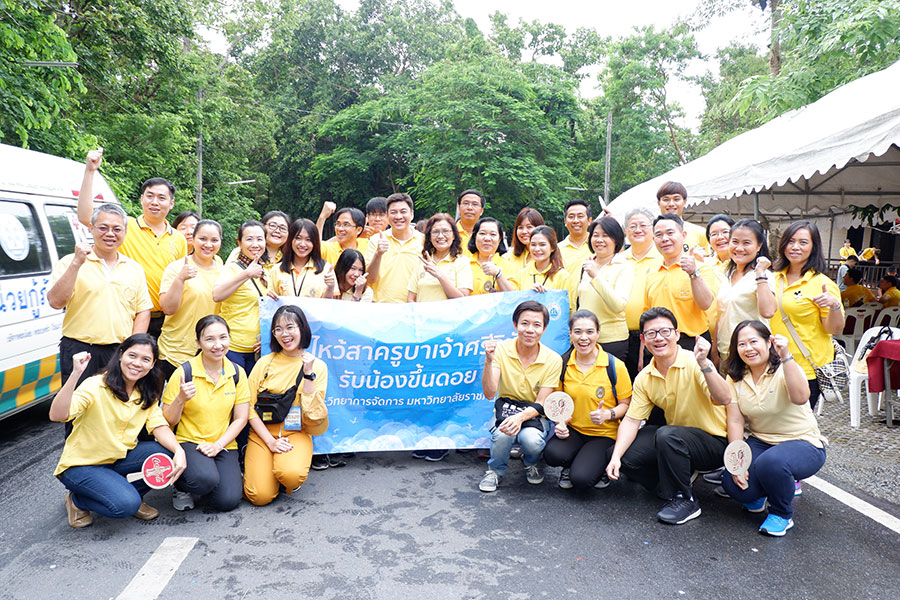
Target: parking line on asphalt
[(858, 504), (158, 570)]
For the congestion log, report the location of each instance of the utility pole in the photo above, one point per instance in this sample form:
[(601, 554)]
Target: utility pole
[(608, 150), (198, 194)]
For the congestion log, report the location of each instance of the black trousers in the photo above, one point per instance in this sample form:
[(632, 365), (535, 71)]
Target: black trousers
[(101, 354), (662, 459), (618, 349), (155, 326), (586, 456), (217, 480)]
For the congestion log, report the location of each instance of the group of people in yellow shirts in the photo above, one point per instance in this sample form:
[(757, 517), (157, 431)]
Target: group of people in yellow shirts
[(654, 327), (850, 280)]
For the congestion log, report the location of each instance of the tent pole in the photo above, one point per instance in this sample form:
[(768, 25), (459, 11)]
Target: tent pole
[(756, 206), (831, 234)]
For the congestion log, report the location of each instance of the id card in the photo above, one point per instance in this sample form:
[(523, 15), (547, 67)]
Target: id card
[(292, 421)]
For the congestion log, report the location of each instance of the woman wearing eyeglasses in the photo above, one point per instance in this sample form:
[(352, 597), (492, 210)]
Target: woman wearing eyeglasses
[(443, 272), (275, 224), (718, 232)]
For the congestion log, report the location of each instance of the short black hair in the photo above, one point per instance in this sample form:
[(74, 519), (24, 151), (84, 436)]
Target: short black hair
[(531, 306), (715, 219), (658, 312), (159, 181), (292, 313), (671, 187), (378, 204), (610, 227), (359, 219), (855, 274), (577, 202), (894, 281), (400, 197), (473, 247), (670, 217), (470, 193), (852, 257)]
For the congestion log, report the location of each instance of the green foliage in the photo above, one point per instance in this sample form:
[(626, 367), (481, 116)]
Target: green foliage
[(824, 44), (33, 98)]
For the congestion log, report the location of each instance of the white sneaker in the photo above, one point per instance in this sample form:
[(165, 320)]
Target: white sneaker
[(534, 475), (489, 482), (182, 500)]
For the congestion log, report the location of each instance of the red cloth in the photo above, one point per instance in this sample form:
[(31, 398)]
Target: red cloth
[(885, 349)]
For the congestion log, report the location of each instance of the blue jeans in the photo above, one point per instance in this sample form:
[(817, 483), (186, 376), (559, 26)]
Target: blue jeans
[(245, 359), (531, 439), (773, 471), (104, 490)]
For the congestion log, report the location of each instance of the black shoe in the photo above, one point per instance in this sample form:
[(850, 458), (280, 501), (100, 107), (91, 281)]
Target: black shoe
[(679, 510), (714, 477), (319, 462), (435, 455), (336, 460)]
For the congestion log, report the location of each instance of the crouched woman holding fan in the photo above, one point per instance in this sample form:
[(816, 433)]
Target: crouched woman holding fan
[(287, 398), (108, 411)]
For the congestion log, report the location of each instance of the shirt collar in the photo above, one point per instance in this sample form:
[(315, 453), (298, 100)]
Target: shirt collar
[(142, 223)]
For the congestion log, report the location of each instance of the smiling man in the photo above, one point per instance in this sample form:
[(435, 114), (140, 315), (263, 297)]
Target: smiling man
[(393, 255), (575, 248), (348, 225), (664, 458), (150, 240), (671, 198), (471, 207), (104, 293)]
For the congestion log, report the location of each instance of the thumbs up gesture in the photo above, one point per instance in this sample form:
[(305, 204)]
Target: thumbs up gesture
[(383, 245), (188, 270), (827, 299), (254, 269), (187, 389), (489, 346)]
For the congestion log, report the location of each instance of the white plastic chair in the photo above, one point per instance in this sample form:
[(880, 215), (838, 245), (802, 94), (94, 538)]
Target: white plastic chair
[(887, 317), (862, 319), (860, 381)]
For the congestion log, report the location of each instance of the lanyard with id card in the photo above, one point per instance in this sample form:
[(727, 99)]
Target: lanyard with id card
[(293, 422)]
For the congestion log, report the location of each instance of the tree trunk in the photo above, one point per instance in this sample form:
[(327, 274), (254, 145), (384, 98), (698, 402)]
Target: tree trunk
[(774, 45)]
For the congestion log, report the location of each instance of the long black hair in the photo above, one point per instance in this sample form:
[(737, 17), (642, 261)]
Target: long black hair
[(816, 261), (760, 234), (343, 265), (287, 259), (735, 366), (150, 385)]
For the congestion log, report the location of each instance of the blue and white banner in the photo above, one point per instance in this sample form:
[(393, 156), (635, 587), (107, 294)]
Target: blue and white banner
[(408, 376)]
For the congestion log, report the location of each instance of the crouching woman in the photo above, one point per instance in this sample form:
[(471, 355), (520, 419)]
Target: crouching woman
[(287, 398)]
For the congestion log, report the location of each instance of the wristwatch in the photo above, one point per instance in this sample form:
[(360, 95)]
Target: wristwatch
[(612, 414), (311, 376), (694, 275)]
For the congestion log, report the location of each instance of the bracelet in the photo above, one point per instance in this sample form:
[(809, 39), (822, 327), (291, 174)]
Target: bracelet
[(787, 358), (707, 369), (357, 298), (762, 278)]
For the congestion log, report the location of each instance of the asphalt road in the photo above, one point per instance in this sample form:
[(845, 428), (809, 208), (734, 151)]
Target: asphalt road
[(390, 527)]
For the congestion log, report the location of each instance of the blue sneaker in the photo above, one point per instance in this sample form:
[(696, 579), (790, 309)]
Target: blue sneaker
[(757, 506), (798, 488), (775, 525)]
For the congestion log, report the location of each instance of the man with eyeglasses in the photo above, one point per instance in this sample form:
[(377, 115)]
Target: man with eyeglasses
[(104, 292), (681, 284), (470, 206), (665, 459), (150, 240), (575, 247), (349, 223), (393, 255)]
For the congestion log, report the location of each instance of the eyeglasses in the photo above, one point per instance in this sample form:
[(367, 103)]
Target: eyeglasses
[(724, 233), (665, 332), (287, 329), (471, 204), (441, 233), (104, 229), (277, 227), (637, 227)]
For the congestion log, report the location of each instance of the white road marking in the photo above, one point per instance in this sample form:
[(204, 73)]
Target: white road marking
[(858, 504), (158, 570)]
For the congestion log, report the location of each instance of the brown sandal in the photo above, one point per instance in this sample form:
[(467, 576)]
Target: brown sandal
[(77, 518)]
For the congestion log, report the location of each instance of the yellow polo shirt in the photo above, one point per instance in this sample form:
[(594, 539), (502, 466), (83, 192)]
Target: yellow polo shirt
[(573, 255), (366, 297), (152, 252), (302, 282), (104, 428), (104, 301), (856, 293), (867, 254), (682, 394), (428, 289), (482, 284), (331, 250), (671, 288), (520, 383), (561, 280), (891, 297), (207, 415), (806, 315), (695, 235), (641, 268), (463, 236), (606, 295), (516, 263), (769, 413), (847, 253), (177, 340), (397, 264), (592, 390), (276, 373), (241, 309), (268, 265), (735, 303)]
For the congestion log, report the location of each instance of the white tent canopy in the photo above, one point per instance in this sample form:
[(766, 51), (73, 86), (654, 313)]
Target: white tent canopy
[(816, 162)]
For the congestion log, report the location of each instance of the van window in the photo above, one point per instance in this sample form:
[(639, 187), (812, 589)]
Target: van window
[(63, 220), (22, 247)]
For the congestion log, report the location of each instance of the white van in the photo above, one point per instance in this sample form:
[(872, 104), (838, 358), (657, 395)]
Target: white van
[(38, 226)]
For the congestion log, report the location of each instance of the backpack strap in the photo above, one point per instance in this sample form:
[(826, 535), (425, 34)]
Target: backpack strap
[(565, 363), (611, 374), (189, 374)]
